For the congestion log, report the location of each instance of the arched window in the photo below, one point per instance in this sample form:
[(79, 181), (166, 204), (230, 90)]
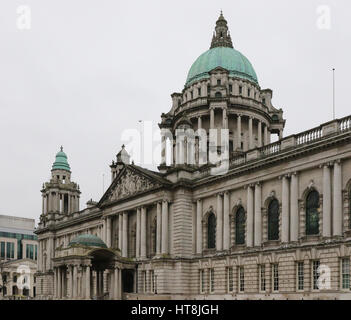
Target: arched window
[(211, 231), (218, 95), (312, 213), (240, 226), (273, 220)]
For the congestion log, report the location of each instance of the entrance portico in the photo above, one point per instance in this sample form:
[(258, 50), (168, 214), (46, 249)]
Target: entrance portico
[(92, 271)]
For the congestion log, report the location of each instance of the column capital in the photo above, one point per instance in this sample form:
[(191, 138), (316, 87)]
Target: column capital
[(239, 115), (294, 173), (226, 192), (220, 194), (258, 183), (284, 176), (250, 185), (326, 164), (338, 161)]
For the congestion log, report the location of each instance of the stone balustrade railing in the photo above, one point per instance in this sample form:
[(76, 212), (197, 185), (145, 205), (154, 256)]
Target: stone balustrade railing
[(334, 127)]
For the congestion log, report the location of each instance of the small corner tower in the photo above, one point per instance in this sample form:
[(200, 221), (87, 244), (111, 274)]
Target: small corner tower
[(122, 158), (60, 195)]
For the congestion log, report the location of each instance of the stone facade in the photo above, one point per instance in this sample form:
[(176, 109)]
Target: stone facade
[(276, 225)]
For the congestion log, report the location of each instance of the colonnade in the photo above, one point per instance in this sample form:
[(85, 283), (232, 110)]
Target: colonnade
[(77, 282), (54, 201), (162, 230), (263, 134)]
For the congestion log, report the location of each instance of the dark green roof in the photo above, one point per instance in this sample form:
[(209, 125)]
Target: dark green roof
[(88, 240), (61, 162), (227, 58)]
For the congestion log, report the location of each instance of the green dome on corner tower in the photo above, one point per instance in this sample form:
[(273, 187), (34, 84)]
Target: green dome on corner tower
[(221, 54), (61, 162)]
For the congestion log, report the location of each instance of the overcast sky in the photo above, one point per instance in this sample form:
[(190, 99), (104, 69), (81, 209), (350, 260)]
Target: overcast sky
[(87, 70)]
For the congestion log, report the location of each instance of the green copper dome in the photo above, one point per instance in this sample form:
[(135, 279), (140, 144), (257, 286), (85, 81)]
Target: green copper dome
[(61, 162), (88, 240), (227, 58)]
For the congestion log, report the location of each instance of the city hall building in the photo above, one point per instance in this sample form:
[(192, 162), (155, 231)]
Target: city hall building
[(277, 225)]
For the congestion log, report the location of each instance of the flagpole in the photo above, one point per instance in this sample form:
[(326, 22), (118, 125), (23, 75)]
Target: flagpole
[(333, 93)]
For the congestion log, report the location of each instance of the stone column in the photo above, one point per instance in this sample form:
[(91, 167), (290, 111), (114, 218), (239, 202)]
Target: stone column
[(265, 134), (120, 288), (251, 144), (294, 207), (281, 134), (164, 247), (125, 235), (138, 231), (337, 200), (239, 132), (87, 282), (326, 201), (219, 231), (115, 284), (285, 209), (158, 228), (199, 122), (120, 231), (108, 232), (259, 133), (226, 223), (70, 268), (212, 123), (59, 283), (143, 233), (250, 216), (225, 118), (43, 204), (199, 226), (258, 215), (163, 149), (75, 282), (55, 283)]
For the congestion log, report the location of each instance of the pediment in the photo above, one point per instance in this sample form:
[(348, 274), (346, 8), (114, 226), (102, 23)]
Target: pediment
[(129, 183)]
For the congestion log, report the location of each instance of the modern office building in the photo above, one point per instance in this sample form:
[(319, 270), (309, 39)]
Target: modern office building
[(18, 256)]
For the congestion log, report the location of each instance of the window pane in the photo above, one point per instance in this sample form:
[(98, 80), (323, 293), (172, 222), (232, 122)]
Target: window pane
[(312, 213), (315, 274), (211, 232), (273, 220), (300, 276), (240, 226), (346, 273)]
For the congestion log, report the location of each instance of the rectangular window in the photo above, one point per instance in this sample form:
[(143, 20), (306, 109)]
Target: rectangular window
[(202, 281), (315, 274), (218, 82), (345, 273), (230, 88), (199, 92), (208, 90), (262, 271), (212, 284), (241, 279), (2, 249), (191, 95), (264, 101), (10, 250), (275, 277), (240, 89), (248, 92), (230, 286), (300, 276)]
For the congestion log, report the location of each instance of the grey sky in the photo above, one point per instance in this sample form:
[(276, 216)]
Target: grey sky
[(87, 70)]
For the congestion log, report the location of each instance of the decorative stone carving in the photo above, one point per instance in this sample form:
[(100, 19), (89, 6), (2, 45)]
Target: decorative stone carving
[(130, 184)]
